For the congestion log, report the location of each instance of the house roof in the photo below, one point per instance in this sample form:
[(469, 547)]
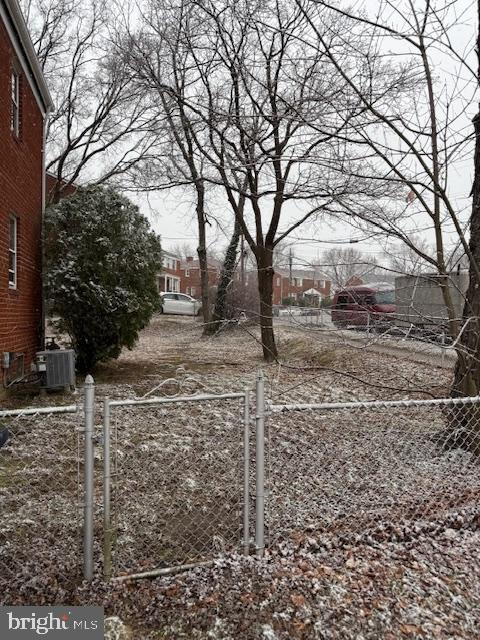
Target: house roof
[(16, 27)]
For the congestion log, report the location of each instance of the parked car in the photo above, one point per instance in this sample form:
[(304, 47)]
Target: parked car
[(364, 305), (289, 311), (180, 304)]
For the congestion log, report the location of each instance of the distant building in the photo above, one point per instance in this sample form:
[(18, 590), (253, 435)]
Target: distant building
[(53, 193), (169, 279), (299, 284), (191, 278), (183, 276)]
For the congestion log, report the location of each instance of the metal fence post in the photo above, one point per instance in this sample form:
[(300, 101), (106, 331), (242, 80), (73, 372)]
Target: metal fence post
[(260, 467), (89, 405), (107, 475), (246, 473)]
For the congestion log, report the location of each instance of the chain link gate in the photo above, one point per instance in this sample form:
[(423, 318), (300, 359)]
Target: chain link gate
[(176, 481)]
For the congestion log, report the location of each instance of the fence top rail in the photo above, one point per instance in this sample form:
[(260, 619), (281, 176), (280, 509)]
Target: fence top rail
[(174, 399), (32, 411), (328, 406)]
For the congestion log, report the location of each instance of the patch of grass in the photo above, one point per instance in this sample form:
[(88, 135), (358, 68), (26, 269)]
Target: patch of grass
[(303, 350), (141, 371)]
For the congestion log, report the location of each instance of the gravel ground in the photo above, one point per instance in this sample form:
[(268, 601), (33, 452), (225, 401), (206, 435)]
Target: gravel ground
[(419, 579)]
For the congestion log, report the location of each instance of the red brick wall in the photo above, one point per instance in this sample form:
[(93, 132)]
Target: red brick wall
[(191, 283), (20, 195), (282, 288), (50, 184)]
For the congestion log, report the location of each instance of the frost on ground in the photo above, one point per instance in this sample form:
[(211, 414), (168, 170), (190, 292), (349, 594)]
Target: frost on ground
[(373, 524)]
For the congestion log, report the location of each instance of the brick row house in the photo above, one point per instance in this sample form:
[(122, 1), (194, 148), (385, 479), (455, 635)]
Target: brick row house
[(311, 284), (183, 276), (24, 106), (190, 276), (170, 277)]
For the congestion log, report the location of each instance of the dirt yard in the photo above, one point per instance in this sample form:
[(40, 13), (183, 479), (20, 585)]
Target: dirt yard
[(419, 580)]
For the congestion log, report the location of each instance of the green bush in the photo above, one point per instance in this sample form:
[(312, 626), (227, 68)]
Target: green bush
[(101, 261)]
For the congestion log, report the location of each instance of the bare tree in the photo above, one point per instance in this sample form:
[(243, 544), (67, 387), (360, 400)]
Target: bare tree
[(467, 370), (255, 93), (101, 126), (182, 250), (413, 142), (403, 260), (159, 55), (341, 265)]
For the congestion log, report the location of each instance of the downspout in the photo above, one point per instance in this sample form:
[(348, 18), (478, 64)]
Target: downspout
[(43, 314)]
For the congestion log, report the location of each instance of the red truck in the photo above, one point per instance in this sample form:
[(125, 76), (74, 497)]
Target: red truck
[(366, 305)]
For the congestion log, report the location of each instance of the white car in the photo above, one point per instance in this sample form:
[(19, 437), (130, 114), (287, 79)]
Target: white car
[(180, 304), (290, 311)]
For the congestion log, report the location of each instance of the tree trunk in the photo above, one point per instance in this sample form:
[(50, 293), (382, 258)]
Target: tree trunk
[(265, 290), (228, 269), (202, 252), (467, 369)]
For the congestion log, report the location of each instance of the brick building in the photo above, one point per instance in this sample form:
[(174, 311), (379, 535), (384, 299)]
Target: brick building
[(300, 283), (169, 279), (184, 276), (190, 275), (55, 190), (303, 283), (24, 106)]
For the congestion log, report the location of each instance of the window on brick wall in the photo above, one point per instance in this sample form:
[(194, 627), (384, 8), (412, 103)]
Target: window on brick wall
[(15, 102), (12, 252), (187, 273)]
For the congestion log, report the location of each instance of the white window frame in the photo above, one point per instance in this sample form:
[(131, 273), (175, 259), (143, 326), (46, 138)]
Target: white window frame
[(187, 273), (15, 101), (13, 251)]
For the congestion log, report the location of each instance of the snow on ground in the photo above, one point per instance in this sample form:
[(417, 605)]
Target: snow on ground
[(409, 569)]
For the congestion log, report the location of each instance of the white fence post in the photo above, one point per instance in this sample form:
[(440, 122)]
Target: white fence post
[(89, 405), (260, 467)]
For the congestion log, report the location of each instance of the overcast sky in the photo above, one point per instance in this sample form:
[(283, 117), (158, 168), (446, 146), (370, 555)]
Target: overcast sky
[(172, 213)]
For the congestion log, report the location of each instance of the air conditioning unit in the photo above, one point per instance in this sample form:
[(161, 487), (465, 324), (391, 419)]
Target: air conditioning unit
[(56, 368)]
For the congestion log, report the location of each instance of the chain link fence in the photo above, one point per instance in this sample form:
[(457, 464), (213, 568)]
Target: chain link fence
[(187, 479), (174, 480), (40, 494), (372, 470)]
